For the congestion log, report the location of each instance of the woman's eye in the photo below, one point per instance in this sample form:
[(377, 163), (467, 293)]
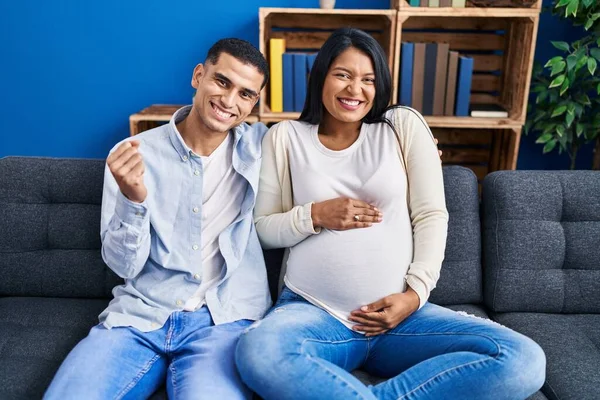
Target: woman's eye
[(345, 76), (369, 80)]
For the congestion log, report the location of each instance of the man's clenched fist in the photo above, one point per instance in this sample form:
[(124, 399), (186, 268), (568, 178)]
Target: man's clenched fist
[(127, 166)]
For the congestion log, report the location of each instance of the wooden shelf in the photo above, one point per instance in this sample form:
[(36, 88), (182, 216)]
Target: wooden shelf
[(403, 5), (470, 12), (156, 114)]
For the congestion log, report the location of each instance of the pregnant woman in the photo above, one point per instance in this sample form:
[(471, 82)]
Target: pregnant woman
[(355, 191)]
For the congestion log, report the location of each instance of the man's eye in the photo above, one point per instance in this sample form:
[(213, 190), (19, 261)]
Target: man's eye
[(221, 82)]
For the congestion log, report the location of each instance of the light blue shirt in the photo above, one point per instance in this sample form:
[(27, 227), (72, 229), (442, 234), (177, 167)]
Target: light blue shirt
[(154, 245)]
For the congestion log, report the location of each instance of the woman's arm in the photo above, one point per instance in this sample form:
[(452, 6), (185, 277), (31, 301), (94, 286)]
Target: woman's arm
[(427, 203), (278, 223)]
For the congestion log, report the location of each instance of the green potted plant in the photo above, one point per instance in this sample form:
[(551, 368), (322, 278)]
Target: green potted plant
[(567, 88)]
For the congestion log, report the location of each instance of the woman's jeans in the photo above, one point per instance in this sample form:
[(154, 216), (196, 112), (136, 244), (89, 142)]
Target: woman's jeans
[(192, 355), (299, 351)]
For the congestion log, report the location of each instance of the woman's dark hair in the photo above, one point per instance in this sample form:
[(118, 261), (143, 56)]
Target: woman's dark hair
[(339, 41)]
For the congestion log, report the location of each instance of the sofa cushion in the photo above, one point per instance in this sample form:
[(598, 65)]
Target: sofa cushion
[(572, 347), (50, 236), (541, 239), (36, 334), (461, 275)]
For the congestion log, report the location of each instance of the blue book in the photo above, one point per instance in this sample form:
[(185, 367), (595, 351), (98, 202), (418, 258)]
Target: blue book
[(311, 60), (300, 80), (429, 84), (288, 82), (463, 86), (406, 74)]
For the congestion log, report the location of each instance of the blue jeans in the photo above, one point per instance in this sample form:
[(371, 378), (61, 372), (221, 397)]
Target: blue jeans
[(190, 352), (299, 351)]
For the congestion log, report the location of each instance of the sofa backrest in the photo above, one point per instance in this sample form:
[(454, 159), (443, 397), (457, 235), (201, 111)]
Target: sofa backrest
[(50, 228), (460, 278), (542, 241)]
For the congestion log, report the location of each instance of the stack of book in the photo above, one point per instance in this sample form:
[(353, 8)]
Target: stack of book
[(289, 77), (435, 80), (437, 3)]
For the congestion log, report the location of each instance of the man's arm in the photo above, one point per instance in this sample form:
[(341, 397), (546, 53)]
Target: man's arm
[(125, 221)]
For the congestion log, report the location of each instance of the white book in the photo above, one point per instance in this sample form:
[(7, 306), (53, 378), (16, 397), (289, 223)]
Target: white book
[(488, 111)]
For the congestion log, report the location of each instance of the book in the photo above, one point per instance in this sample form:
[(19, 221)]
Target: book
[(423, 3), (441, 75), (276, 50), (445, 3), (488, 111), (459, 3), (300, 80), (451, 83), (463, 86), (415, 3), (406, 74), (311, 60), (434, 3), (418, 77), (288, 82), (429, 79)]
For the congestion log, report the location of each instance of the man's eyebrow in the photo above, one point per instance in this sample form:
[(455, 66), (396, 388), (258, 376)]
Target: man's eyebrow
[(226, 79)]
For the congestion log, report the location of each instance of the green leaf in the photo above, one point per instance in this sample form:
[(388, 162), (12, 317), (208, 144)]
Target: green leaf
[(587, 3), (594, 17), (541, 97), (550, 146), (557, 81), (562, 3), (571, 109), (598, 42), (598, 89), (544, 138), (553, 61), (560, 110), (569, 120), (581, 62), (549, 128), (578, 129), (588, 24), (560, 130), (564, 46), (578, 110), (571, 62), (559, 67), (592, 64), (595, 53), (572, 8), (565, 86)]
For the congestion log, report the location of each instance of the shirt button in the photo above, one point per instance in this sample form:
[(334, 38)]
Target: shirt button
[(138, 214), (197, 277), (185, 158), (196, 209), (195, 247), (179, 302), (196, 172)]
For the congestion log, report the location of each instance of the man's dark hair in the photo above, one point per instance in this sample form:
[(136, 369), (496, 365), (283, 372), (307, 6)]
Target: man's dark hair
[(243, 51)]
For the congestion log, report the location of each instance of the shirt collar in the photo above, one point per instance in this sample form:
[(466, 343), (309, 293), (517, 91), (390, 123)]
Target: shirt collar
[(178, 143)]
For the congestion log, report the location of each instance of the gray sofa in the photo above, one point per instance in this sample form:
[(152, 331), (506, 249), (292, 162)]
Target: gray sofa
[(539, 274)]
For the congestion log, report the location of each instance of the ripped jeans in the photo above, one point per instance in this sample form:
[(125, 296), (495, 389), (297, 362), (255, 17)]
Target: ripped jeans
[(299, 351)]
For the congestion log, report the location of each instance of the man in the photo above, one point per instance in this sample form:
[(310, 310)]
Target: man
[(177, 226)]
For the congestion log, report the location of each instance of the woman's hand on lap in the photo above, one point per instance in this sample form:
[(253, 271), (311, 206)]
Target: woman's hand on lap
[(344, 213), (385, 314)]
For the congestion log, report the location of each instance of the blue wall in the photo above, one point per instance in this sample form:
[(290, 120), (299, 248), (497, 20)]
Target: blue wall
[(73, 71)]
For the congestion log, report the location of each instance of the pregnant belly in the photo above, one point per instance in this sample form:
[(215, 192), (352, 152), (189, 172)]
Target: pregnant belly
[(345, 270)]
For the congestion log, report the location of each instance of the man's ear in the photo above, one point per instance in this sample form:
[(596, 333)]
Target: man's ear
[(199, 73)]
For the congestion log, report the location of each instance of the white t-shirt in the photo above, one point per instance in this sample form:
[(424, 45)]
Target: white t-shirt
[(222, 196), (341, 271)]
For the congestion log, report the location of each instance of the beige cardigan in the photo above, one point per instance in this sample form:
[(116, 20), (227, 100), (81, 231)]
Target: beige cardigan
[(280, 224)]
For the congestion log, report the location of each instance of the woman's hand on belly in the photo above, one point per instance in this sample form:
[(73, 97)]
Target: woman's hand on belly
[(344, 213), (385, 314)]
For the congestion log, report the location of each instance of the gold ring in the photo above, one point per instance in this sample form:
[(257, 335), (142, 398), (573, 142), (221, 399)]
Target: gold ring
[(357, 217)]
